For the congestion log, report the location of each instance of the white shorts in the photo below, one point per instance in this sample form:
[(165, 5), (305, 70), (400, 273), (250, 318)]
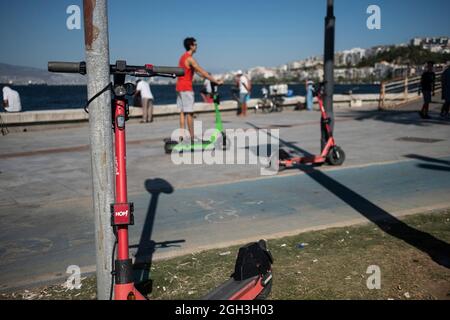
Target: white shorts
[(185, 101)]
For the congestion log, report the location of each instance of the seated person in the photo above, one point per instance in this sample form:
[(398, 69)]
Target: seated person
[(11, 100)]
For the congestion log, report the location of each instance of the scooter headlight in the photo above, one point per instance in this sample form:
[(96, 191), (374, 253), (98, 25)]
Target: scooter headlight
[(120, 90), (121, 122)]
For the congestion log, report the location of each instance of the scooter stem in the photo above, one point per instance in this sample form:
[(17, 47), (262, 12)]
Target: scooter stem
[(124, 283)]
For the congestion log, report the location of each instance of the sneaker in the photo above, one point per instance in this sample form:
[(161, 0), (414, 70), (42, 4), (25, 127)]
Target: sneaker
[(421, 114), (425, 116)]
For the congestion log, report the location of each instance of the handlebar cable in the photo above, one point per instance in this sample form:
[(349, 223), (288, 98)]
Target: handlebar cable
[(108, 87), (113, 271)]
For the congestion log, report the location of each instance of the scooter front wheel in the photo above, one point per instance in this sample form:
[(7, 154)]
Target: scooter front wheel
[(266, 291), (336, 156), (223, 142), (266, 108)]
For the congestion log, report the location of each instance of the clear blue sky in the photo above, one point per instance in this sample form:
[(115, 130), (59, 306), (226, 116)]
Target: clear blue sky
[(231, 34)]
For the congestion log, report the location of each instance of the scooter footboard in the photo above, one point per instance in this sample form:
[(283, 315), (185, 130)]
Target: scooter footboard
[(236, 290)]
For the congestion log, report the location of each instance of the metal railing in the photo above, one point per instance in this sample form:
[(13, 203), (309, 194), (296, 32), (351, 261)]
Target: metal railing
[(401, 90)]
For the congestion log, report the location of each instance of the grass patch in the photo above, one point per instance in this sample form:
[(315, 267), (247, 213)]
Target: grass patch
[(332, 265)]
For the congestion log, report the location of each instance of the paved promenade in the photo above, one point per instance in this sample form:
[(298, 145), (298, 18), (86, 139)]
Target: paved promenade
[(396, 164)]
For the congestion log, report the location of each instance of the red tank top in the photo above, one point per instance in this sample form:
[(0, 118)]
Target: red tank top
[(184, 83)]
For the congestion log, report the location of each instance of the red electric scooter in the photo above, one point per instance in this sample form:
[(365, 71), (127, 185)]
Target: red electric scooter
[(252, 278), (331, 153)]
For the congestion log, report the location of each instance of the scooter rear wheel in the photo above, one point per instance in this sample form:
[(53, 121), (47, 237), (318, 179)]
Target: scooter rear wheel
[(168, 146), (283, 154), (266, 108), (273, 163), (336, 156), (266, 292)]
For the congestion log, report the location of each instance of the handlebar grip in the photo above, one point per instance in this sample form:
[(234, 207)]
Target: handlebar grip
[(179, 72), (67, 67)]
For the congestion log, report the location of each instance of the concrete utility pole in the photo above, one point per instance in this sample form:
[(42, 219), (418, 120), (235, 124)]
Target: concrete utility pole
[(97, 65), (328, 65)]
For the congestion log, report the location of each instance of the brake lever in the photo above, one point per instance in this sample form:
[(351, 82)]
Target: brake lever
[(142, 73), (146, 74), (165, 75)]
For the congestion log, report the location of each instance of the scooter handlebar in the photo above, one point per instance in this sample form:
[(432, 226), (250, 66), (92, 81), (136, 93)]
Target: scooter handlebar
[(67, 67), (119, 68), (179, 72)]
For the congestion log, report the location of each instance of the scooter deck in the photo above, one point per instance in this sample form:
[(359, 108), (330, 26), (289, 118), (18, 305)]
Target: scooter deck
[(302, 160), (197, 146), (176, 146), (233, 290), (170, 145)]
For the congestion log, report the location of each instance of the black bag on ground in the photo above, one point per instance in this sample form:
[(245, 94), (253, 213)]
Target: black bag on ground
[(253, 259)]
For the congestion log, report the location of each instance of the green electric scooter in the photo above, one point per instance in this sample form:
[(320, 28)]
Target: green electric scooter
[(217, 140)]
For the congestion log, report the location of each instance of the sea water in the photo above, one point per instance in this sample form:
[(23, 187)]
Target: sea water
[(39, 97)]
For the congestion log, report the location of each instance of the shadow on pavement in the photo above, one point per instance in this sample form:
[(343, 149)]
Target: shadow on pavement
[(147, 247), (437, 249), (430, 166), (433, 167), (396, 116)]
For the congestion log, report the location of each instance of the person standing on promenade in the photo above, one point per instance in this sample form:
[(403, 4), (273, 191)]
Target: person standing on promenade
[(309, 95), (245, 88), (427, 83), (11, 100), (143, 90), (445, 79), (184, 88), (235, 94)]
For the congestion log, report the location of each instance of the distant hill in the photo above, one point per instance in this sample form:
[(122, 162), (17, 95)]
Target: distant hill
[(19, 75), (412, 55)]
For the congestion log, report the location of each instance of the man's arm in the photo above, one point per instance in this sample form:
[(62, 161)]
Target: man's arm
[(138, 90), (246, 85), (444, 83), (422, 80), (249, 82), (434, 83), (201, 71), (5, 104)]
